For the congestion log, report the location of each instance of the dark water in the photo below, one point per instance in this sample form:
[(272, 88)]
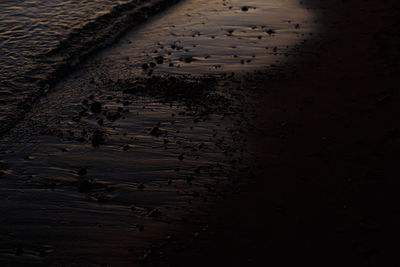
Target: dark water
[(39, 37)]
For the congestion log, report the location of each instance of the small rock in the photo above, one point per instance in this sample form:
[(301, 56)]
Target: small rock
[(85, 186), (110, 188), (245, 8), (95, 107), (113, 116), (19, 251), (98, 138), (145, 66), (154, 213), (156, 131), (270, 31), (82, 171), (126, 147), (141, 186), (180, 157), (101, 198)]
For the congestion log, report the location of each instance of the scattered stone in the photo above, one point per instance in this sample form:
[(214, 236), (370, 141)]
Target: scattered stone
[(82, 171), (110, 188), (100, 122), (126, 147), (245, 8), (76, 119), (270, 31), (155, 213), (19, 251), (98, 138), (101, 198), (141, 187), (95, 107), (85, 186), (145, 66), (157, 131), (113, 116), (180, 157), (160, 59)]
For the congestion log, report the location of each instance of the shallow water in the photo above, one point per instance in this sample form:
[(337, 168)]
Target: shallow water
[(31, 28)]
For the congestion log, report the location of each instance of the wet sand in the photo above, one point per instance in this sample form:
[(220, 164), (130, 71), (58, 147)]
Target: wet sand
[(325, 191), (113, 162), (104, 171)]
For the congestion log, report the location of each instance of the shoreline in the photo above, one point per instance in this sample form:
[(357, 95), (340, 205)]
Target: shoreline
[(314, 120)]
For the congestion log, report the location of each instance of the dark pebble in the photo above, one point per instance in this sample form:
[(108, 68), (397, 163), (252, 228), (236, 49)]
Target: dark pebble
[(156, 131), (95, 107), (98, 138), (155, 213), (140, 187), (113, 116), (19, 251), (270, 31), (245, 8), (82, 171), (85, 186)]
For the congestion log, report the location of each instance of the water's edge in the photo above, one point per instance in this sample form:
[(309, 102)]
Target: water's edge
[(78, 45)]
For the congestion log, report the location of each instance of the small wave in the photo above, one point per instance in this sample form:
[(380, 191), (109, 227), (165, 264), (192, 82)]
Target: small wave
[(77, 46)]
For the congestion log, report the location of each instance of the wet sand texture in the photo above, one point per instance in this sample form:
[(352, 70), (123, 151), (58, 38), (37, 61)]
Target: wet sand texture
[(326, 189), (325, 138)]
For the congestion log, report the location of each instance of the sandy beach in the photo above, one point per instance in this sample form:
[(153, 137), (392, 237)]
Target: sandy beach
[(281, 149), (325, 192)]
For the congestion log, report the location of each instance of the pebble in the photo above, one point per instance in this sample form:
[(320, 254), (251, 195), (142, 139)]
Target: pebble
[(82, 171), (85, 186), (270, 31), (98, 138), (95, 107)]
